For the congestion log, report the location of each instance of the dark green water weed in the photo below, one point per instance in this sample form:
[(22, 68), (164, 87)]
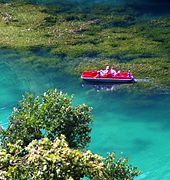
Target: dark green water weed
[(88, 37)]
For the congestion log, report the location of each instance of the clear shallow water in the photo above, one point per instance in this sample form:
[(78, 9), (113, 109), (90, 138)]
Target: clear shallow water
[(136, 125)]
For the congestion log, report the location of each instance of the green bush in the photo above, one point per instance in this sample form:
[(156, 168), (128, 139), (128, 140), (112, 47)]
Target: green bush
[(34, 147), (44, 159), (49, 116)]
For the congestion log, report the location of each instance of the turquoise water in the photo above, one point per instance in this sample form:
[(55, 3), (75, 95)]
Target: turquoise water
[(137, 126)]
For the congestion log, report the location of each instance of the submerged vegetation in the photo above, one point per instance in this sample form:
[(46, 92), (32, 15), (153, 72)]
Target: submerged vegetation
[(90, 36)]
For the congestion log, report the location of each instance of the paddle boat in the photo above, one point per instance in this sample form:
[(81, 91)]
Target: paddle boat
[(108, 76)]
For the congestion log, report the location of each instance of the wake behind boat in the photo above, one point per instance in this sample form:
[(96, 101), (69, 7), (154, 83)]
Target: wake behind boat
[(108, 76)]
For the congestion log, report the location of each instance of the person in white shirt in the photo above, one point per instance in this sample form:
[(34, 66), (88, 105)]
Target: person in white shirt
[(113, 71)]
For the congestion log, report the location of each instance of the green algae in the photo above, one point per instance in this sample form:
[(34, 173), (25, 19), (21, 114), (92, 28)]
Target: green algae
[(90, 37)]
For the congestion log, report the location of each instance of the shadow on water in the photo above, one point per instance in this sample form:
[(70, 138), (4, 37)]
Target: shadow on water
[(105, 86), (112, 86), (141, 145)]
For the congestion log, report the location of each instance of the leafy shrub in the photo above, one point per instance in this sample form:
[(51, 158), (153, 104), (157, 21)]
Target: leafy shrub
[(44, 159), (49, 116)]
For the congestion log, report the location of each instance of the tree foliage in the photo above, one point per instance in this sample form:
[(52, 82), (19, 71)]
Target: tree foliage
[(49, 116), (44, 159), (45, 138)]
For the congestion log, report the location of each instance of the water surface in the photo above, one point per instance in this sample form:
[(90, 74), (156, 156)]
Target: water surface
[(137, 125)]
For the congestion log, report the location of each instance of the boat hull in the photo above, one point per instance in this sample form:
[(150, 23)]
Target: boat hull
[(107, 80), (119, 77)]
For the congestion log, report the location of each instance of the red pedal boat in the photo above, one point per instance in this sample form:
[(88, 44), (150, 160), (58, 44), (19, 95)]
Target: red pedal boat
[(107, 76)]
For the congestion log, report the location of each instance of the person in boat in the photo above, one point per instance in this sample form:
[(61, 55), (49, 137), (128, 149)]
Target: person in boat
[(129, 74), (103, 73), (99, 74), (113, 71), (108, 70)]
